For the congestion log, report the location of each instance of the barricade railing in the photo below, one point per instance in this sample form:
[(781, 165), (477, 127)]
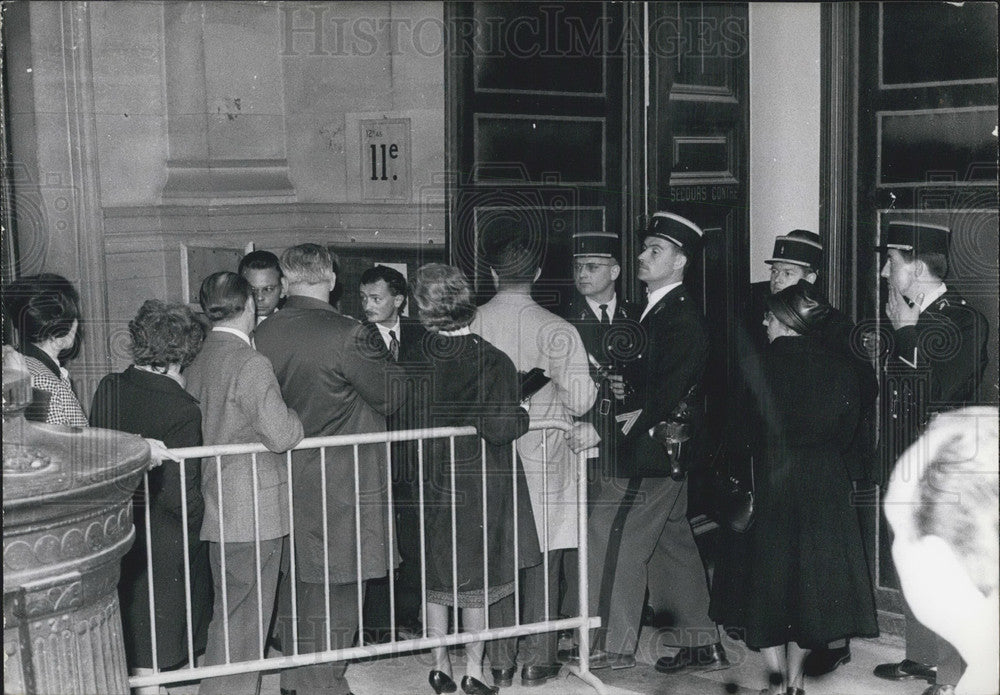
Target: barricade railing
[(582, 623)]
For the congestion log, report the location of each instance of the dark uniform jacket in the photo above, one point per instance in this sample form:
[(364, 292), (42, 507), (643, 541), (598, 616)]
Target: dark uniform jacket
[(669, 360), (931, 367), (609, 345)]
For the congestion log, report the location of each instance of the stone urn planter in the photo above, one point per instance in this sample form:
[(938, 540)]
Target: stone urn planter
[(67, 522)]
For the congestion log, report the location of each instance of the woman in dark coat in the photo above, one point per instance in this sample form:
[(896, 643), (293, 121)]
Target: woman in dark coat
[(800, 579), (149, 399), (473, 384)]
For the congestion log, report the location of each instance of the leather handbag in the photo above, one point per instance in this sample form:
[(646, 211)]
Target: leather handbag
[(736, 502), (733, 498)]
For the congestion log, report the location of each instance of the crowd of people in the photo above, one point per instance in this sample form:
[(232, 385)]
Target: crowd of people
[(270, 360)]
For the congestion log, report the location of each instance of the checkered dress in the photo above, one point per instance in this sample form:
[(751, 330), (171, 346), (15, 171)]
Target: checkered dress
[(64, 408)]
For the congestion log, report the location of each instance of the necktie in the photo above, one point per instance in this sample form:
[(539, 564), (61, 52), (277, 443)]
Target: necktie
[(394, 346), (604, 313)]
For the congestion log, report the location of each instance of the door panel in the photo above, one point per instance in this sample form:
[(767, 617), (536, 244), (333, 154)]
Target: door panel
[(536, 119), (927, 148), (700, 109)]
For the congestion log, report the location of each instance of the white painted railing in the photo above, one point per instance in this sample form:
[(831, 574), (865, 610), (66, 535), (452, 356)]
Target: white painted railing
[(213, 455)]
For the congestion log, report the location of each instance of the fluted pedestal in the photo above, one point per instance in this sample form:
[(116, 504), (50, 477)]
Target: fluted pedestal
[(67, 523)]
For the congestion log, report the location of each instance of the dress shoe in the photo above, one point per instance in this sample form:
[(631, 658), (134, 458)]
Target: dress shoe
[(708, 658), (940, 690), (441, 682), (820, 662), (476, 687), (503, 677), (906, 670), (536, 675), (795, 691)]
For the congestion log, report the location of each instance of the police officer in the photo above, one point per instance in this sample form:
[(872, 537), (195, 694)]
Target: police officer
[(935, 363), (608, 326)]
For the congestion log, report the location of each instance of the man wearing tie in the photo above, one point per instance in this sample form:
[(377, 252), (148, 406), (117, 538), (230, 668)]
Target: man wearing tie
[(383, 298), (607, 326), (647, 508)]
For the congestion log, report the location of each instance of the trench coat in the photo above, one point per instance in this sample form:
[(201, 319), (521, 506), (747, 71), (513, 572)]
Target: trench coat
[(534, 337)]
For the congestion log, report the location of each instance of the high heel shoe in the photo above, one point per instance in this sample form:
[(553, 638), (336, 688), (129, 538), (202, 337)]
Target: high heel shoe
[(795, 691), (475, 687), (441, 682), (776, 685)]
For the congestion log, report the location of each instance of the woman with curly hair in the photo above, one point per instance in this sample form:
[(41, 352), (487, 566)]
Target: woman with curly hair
[(149, 399), (473, 384)]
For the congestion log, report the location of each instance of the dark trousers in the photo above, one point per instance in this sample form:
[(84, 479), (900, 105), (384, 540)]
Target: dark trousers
[(316, 635), (538, 649), (640, 538), (407, 576), (926, 647)]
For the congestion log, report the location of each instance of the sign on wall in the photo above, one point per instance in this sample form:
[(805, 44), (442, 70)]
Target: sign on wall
[(385, 159)]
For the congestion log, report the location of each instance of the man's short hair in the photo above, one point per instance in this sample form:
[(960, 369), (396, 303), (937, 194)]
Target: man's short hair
[(514, 256), (392, 277), (223, 295), (937, 263), (309, 264), (259, 260)]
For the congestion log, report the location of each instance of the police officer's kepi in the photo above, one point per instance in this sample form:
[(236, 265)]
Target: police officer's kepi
[(678, 230), (798, 247), (604, 244), (915, 237)]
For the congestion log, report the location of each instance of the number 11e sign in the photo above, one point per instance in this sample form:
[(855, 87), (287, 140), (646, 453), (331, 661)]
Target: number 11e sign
[(385, 159)]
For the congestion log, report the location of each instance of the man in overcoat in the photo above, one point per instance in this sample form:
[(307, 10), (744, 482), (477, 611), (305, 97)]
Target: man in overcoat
[(240, 403), (534, 337), (337, 379), (936, 360)]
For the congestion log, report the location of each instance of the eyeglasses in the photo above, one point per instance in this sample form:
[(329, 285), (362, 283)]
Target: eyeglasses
[(590, 267)]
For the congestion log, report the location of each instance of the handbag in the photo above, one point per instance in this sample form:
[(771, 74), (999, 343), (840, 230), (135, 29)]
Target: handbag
[(736, 502), (734, 499)]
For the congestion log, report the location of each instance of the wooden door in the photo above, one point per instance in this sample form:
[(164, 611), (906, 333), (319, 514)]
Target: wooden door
[(927, 145), (698, 168), (534, 102)]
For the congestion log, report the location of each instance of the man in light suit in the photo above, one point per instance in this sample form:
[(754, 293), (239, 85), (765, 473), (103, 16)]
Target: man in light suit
[(536, 338), (643, 499), (335, 374), (240, 403)]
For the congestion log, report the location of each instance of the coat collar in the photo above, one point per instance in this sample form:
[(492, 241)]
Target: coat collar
[(297, 301), (43, 357), (155, 382), (676, 295)]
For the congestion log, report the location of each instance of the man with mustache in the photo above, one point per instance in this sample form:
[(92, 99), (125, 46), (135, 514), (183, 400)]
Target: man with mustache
[(383, 298)]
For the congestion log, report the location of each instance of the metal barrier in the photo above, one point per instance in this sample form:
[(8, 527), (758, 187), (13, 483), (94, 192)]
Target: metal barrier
[(581, 623)]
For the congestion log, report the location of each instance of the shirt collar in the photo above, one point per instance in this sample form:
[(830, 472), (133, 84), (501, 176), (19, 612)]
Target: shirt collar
[(385, 331), (596, 306), (932, 297), (656, 295), (464, 330), (235, 331)]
